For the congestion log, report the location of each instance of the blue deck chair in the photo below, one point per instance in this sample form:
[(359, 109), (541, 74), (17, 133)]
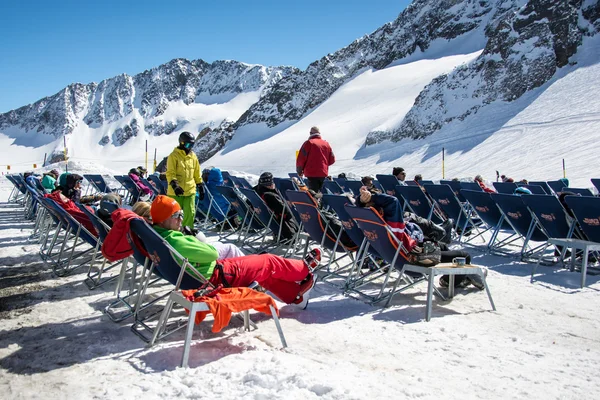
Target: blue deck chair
[(155, 190), (552, 219), (425, 182), (227, 179), (481, 203), (160, 185), (444, 196), (249, 223), (520, 218), (596, 183), (389, 183), (171, 266), (411, 183), (214, 215), (267, 218), (543, 184), (318, 227), (417, 201), (295, 175), (587, 212), (471, 186), (236, 183), (391, 250), (505, 187), (352, 279), (131, 187), (244, 183), (81, 236), (354, 187), (96, 279), (556, 185), (98, 183), (378, 185), (579, 191), (535, 189), (342, 183), (456, 188), (332, 187)]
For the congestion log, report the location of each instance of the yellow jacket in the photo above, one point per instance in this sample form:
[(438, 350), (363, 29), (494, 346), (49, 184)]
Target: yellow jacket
[(186, 169)]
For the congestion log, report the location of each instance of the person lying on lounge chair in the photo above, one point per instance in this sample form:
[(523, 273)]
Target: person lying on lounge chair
[(288, 279)]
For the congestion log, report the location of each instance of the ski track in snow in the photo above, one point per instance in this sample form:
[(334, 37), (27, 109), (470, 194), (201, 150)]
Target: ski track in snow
[(542, 342)]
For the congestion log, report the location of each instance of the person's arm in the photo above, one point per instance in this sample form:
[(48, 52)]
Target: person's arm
[(171, 168), (274, 203), (193, 249), (331, 157), (197, 174), (302, 157)]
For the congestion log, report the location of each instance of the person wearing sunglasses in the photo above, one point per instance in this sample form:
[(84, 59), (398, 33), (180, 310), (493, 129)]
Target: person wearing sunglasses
[(290, 280), (183, 175)]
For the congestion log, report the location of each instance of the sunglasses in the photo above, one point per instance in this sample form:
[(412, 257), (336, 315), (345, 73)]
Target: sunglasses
[(178, 214)]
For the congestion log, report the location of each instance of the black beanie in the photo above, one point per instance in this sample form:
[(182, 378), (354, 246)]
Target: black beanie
[(266, 179)]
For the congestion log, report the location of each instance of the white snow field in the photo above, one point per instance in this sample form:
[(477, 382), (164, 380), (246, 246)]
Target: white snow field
[(541, 343)]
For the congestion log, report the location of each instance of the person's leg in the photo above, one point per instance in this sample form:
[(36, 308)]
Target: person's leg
[(276, 274), (188, 205), (315, 184), (227, 250), (447, 256)]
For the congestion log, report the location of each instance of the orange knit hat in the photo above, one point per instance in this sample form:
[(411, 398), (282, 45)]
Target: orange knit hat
[(162, 208)]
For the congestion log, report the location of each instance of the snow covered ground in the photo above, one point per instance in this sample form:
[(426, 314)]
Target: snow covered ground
[(542, 342)]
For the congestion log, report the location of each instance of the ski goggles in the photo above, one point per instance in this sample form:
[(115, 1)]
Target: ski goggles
[(188, 145), (178, 214)]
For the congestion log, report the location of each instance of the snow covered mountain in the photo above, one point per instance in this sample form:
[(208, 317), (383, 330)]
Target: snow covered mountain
[(148, 95)]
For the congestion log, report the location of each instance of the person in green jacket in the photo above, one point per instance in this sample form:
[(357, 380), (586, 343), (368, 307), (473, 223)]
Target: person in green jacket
[(49, 180), (183, 175), (288, 279)]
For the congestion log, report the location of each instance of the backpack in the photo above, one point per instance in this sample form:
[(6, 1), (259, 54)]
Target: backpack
[(428, 255)]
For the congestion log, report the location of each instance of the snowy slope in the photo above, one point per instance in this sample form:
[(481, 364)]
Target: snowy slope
[(525, 139), (541, 343)]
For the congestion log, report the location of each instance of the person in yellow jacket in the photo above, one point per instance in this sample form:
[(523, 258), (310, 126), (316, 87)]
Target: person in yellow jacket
[(183, 175)]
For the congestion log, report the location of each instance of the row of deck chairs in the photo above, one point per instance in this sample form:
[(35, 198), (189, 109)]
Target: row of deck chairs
[(155, 271), (521, 226)]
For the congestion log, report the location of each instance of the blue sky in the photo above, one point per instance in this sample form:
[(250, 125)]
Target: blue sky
[(46, 45)]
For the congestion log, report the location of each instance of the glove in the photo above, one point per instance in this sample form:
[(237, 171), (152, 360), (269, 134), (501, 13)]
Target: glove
[(176, 188), (200, 189)]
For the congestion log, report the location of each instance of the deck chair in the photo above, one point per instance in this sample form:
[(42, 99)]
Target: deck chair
[(80, 236), (505, 187), (451, 206), (579, 191), (493, 220), (15, 191), (471, 186), (587, 213), (249, 225), (267, 218), (411, 183), (214, 215), (19, 182), (318, 228), (425, 182), (354, 187), (520, 218), (160, 185), (556, 185), (391, 250), (543, 184), (295, 175), (98, 183), (244, 183), (418, 203), (552, 218), (227, 179), (342, 183), (388, 182), (596, 183), (535, 189), (456, 188), (132, 189), (155, 190), (332, 187), (179, 272), (352, 277)]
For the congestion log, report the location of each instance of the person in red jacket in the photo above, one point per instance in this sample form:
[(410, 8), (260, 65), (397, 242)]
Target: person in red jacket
[(482, 185), (314, 159)]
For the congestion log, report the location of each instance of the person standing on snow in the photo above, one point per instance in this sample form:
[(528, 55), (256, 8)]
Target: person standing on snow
[(183, 175), (314, 159)]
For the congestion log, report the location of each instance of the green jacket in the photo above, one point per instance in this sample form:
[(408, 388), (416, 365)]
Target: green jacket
[(186, 169), (49, 183), (203, 256)]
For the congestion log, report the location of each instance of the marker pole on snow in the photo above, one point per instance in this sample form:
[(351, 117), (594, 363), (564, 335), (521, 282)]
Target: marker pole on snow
[(443, 163)]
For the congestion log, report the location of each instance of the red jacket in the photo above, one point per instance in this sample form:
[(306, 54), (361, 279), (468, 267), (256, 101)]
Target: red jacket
[(314, 158), (485, 188), (116, 246), (74, 211)]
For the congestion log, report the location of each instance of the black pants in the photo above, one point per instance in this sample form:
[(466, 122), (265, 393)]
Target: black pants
[(315, 184), (448, 255)]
